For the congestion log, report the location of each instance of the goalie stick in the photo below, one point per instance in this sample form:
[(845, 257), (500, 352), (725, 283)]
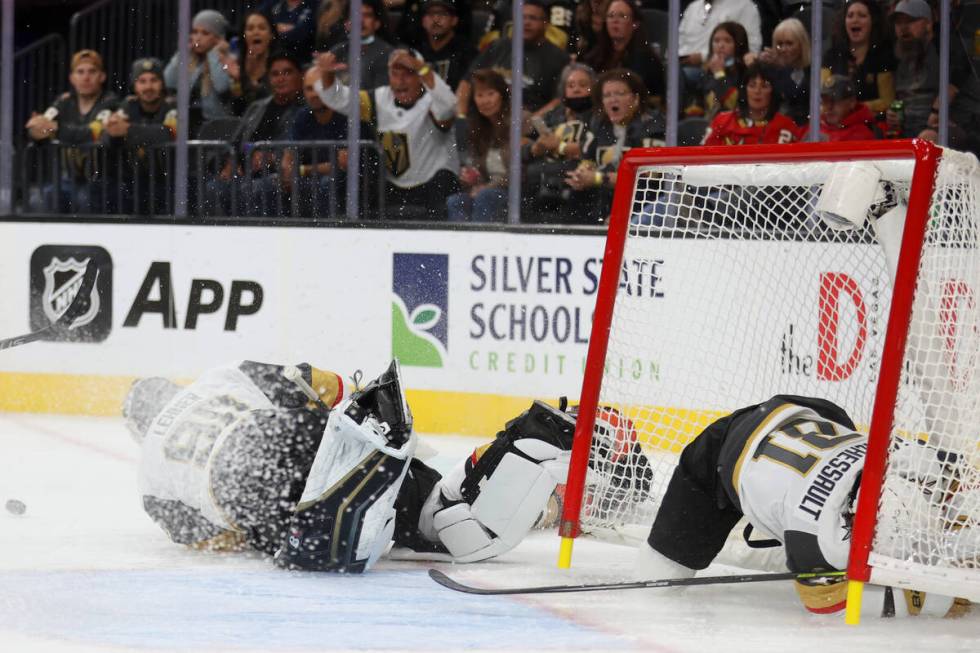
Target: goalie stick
[(449, 583), (78, 307)]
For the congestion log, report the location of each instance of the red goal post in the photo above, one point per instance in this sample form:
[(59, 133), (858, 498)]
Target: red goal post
[(956, 200)]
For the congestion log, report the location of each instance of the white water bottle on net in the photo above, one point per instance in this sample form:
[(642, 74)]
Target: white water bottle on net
[(849, 272)]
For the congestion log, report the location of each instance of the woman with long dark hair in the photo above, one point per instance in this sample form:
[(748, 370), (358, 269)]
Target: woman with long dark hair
[(789, 57), (250, 70), (623, 43), (722, 73), (484, 177), (860, 49), (756, 118)]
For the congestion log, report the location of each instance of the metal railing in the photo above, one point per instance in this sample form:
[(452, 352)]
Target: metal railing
[(223, 181)]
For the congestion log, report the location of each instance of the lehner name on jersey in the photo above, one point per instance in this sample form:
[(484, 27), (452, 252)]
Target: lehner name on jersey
[(823, 484)]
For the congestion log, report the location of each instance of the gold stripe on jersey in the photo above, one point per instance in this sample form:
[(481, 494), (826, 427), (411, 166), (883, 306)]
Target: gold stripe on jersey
[(761, 429)]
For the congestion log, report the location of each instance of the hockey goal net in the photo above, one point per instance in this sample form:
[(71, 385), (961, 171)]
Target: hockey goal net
[(734, 274)]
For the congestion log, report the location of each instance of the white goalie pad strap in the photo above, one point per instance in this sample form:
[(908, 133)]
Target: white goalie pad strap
[(371, 431), (509, 503)]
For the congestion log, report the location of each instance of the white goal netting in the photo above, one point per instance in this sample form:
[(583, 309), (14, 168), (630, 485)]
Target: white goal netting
[(733, 290)]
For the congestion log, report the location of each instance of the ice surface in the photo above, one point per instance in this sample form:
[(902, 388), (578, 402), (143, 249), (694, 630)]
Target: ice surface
[(85, 570)]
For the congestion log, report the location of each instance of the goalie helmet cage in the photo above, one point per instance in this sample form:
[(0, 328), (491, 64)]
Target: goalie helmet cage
[(717, 276)]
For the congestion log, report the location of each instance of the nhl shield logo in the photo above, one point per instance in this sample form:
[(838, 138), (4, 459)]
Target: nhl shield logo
[(62, 280), (56, 276)]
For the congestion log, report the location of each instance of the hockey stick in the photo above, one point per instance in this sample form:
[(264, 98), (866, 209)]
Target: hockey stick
[(79, 306), (449, 583)]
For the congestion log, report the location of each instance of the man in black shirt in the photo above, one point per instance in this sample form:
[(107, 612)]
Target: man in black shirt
[(268, 119), (315, 178), (76, 118), (143, 121), (446, 51), (543, 63), (375, 50)]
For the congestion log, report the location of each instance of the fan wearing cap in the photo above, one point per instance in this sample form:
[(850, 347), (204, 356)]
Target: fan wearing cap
[(144, 119), (412, 116), (842, 117), (917, 73), (76, 117), (447, 51), (210, 82)]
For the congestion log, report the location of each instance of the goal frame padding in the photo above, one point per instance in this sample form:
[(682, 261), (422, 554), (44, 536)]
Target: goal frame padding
[(926, 160)]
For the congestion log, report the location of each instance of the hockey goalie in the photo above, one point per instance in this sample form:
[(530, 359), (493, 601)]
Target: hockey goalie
[(289, 461)]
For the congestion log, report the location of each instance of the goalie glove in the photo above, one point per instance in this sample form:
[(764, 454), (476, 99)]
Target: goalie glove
[(490, 501)]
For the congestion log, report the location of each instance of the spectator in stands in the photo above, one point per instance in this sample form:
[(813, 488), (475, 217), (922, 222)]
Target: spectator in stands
[(917, 72), (295, 24), (624, 122), (268, 119), (309, 175), (330, 25), (589, 23), (757, 118), (623, 43), (967, 140), (789, 57), (411, 31), (484, 177), (699, 21), (375, 46), (209, 59), (543, 63), (860, 49), (447, 52), (76, 118), (249, 70), (722, 73), (562, 135), (144, 120), (559, 13), (413, 117), (842, 116)]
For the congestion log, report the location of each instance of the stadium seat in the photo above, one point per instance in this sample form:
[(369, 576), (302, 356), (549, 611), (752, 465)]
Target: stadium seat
[(219, 129), (690, 131)]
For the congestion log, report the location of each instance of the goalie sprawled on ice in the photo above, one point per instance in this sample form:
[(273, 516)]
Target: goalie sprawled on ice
[(288, 461)]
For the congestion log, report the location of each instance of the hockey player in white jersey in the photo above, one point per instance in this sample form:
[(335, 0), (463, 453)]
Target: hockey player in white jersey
[(413, 116), (792, 466), (289, 461)]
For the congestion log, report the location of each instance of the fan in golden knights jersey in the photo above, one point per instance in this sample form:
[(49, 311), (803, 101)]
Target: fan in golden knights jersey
[(413, 117), (792, 467), (293, 462)]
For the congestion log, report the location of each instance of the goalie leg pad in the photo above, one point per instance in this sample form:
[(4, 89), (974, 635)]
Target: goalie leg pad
[(346, 516), (510, 501)]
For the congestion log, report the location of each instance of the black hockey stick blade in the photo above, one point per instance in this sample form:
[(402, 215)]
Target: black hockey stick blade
[(449, 583), (78, 307)]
